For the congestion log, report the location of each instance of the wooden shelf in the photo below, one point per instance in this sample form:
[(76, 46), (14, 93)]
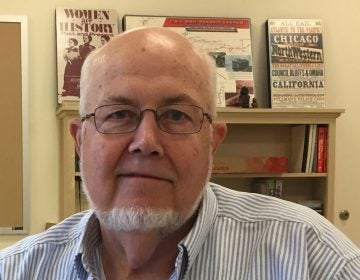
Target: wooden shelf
[(277, 116)]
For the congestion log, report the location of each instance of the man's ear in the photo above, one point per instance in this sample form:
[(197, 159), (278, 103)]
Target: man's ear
[(75, 126), (219, 133)]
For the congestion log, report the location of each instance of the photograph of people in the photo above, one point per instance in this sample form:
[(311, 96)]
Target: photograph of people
[(104, 39), (72, 69), (86, 48)]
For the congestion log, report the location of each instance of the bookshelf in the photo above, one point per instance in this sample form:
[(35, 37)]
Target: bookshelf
[(251, 132), (67, 179)]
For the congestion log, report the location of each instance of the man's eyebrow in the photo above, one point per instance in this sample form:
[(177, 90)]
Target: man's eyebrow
[(180, 98), (118, 100)]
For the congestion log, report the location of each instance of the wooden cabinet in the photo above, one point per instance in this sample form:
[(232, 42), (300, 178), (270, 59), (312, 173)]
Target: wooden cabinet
[(267, 132), (251, 132)]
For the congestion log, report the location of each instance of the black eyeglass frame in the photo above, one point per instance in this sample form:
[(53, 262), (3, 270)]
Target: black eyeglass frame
[(89, 115)]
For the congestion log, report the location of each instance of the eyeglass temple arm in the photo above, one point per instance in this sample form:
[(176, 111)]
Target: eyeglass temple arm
[(87, 116), (208, 116)]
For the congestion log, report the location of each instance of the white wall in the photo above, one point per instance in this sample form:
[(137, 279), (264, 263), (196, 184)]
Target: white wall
[(341, 40)]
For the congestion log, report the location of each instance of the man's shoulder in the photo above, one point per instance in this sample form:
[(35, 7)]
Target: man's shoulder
[(244, 207), (266, 212), (254, 207), (60, 235)]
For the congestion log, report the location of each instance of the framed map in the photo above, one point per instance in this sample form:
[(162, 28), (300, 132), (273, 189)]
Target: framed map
[(227, 40)]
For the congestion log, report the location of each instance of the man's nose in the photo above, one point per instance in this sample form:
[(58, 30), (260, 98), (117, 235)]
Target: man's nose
[(147, 137)]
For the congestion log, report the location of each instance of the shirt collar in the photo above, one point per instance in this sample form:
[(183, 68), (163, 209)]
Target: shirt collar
[(88, 258), (191, 245)]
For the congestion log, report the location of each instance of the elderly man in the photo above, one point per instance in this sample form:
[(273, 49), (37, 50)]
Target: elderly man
[(146, 139)]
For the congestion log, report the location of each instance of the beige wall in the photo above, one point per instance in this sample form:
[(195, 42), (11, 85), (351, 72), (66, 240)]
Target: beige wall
[(341, 20)]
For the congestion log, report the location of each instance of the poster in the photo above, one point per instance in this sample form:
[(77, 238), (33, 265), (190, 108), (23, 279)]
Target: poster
[(296, 60), (78, 33), (227, 40)]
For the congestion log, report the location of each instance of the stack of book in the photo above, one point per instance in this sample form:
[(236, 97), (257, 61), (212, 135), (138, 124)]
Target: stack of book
[(268, 186)]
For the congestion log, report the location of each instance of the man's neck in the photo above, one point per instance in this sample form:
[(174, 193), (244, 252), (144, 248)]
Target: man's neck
[(140, 255)]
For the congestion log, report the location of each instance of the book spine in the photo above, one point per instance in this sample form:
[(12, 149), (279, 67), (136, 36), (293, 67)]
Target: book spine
[(278, 187), (271, 187), (321, 151), (268, 43), (306, 146), (312, 147), (310, 151), (325, 148), (315, 157)]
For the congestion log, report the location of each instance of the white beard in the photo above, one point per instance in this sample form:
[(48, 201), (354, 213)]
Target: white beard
[(145, 218)]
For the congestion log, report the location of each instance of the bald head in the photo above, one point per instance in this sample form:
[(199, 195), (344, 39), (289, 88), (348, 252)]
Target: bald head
[(147, 52)]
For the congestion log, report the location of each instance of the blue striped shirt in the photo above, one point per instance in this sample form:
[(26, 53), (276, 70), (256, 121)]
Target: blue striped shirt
[(236, 236)]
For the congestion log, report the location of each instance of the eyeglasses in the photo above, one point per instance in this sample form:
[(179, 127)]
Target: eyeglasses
[(124, 118)]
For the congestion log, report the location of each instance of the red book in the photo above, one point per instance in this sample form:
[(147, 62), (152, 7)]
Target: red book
[(325, 148), (321, 151)]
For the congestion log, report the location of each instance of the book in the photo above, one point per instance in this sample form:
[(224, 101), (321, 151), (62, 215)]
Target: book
[(278, 187), (311, 150), (296, 63), (268, 186), (306, 147), (226, 40), (316, 148), (321, 152), (326, 149), (297, 147), (264, 186), (78, 33)]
